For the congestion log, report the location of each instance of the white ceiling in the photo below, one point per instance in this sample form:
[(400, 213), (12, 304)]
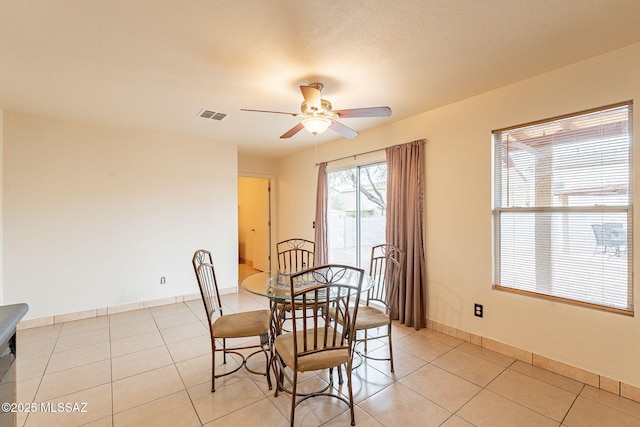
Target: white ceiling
[(153, 65)]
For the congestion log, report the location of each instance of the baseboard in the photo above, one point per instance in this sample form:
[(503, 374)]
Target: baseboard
[(593, 379), (86, 314)]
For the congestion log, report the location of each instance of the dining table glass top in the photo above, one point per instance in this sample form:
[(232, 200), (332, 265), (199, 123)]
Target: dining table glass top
[(278, 285)]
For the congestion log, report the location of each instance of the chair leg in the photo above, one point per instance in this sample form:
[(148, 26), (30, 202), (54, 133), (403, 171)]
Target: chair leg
[(293, 395), (213, 365), (224, 350), (268, 369), (390, 348), (278, 373), (350, 386)]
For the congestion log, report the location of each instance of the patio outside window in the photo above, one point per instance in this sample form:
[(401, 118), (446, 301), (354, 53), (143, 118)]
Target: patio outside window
[(562, 208), (357, 213)]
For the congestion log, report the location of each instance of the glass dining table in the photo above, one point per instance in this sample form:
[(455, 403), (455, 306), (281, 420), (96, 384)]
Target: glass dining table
[(262, 284), (277, 288)]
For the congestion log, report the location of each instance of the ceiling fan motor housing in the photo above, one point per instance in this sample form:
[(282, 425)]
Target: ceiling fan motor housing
[(325, 108)]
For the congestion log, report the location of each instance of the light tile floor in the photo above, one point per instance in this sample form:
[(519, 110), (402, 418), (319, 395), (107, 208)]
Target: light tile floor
[(151, 367)]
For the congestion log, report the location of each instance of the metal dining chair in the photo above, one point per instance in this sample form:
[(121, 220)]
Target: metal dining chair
[(386, 266), (228, 326), (315, 344), (295, 255)]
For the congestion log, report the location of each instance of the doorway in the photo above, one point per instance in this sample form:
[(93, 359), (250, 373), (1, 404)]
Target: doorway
[(254, 226)]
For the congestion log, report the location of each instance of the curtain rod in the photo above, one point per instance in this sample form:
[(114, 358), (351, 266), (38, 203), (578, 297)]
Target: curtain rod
[(353, 155), (366, 152)]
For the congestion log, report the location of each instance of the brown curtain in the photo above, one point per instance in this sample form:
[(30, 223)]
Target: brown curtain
[(405, 201), (321, 237)]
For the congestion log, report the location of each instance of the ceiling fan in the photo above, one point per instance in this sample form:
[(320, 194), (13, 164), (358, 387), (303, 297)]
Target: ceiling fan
[(318, 115)]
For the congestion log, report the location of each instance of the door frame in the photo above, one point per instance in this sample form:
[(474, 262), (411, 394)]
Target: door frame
[(272, 212)]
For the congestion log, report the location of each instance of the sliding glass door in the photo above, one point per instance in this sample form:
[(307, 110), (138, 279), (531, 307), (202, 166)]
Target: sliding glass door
[(357, 213)]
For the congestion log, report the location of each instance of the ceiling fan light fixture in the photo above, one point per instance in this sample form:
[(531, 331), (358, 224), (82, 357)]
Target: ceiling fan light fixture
[(318, 115), (316, 125)]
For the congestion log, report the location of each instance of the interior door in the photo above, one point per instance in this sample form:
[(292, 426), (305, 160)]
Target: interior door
[(262, 226), (254, 222)]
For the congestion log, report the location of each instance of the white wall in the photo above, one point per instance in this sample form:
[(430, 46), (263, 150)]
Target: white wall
[(458, 213), (297, 178), (256, 166), (94, 216)]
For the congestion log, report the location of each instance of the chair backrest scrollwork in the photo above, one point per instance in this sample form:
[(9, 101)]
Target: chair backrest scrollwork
[(318, 291), (295, 255), (205, 274), (387, 262)]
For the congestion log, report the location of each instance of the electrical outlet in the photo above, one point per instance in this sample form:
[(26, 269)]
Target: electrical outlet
[(478, 310), (163, 280)]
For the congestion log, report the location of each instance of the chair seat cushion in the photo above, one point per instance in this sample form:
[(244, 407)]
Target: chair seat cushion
[(370, 317), (327, 358), (240, 325)]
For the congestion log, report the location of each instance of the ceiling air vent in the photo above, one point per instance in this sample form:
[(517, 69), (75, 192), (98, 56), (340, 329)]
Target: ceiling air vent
[(213, 115)]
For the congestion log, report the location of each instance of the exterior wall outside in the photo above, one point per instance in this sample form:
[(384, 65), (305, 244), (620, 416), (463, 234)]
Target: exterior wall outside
[(343, 232)]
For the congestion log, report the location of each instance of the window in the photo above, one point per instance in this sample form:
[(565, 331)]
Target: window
[(562, 208), (357, 213)]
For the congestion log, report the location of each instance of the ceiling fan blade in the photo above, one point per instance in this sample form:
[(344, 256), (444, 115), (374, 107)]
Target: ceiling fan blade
[(343, 130), (269, 111), (364, 112), (297, 128), (311, 97)]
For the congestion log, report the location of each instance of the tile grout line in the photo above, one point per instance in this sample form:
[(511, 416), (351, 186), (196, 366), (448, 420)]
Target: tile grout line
[(43, 373), (571, 406), (186, 390), (113, 421)]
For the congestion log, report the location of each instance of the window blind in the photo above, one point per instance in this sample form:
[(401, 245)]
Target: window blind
[(562, 217)]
